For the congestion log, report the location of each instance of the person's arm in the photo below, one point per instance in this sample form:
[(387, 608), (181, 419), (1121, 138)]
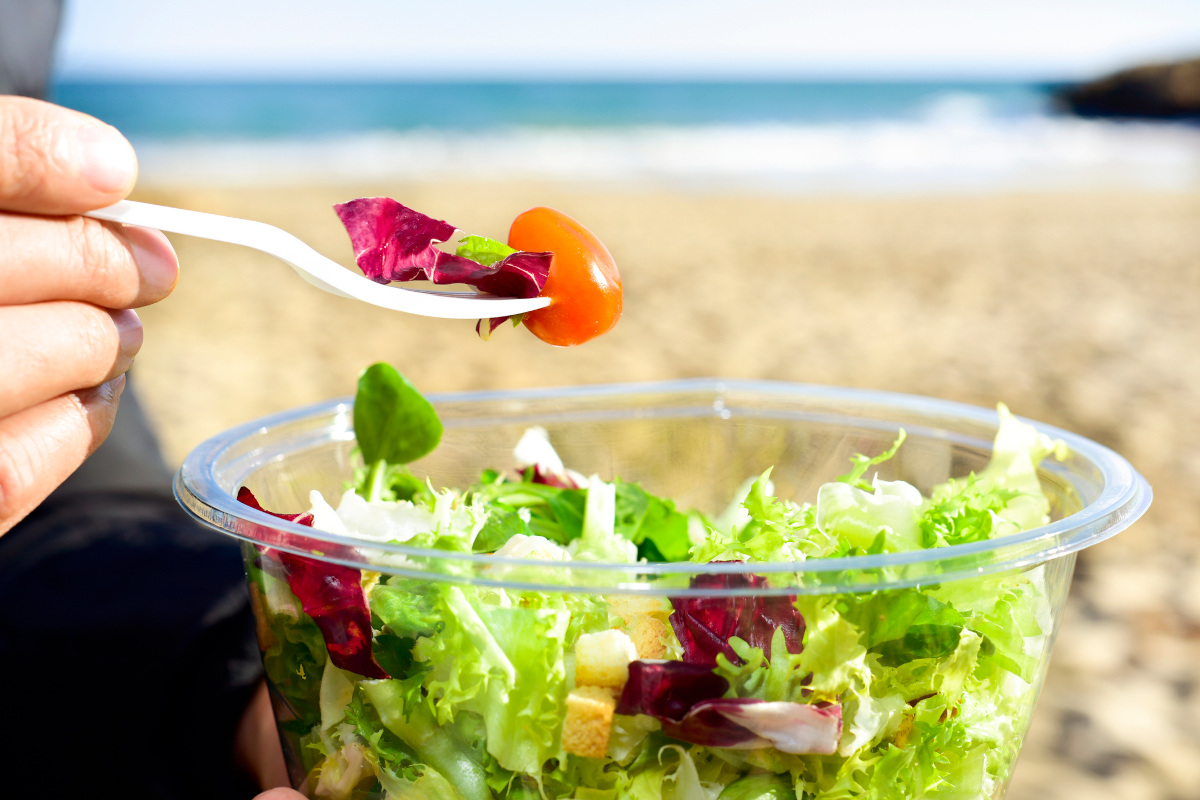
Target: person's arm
[(256, 744), (67, 287)]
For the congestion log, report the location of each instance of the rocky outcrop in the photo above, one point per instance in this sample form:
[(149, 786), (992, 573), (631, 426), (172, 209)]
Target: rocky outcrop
[(1156, 91)]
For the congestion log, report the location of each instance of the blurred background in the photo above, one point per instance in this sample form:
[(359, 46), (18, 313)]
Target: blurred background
[(982, 202)]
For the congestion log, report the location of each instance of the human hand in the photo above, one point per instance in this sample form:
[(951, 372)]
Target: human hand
[(280, 794), (67, 287)]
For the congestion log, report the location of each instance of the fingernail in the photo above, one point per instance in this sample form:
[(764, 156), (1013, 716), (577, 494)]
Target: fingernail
[(155, 258), (107, 392), (110, 391), (117, 386), (106, 158), (129, 328)]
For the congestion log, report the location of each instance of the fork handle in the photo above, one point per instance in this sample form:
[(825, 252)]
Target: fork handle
[(192, 223)]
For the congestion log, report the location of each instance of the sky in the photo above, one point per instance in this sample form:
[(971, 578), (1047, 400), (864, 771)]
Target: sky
[(619, 39)]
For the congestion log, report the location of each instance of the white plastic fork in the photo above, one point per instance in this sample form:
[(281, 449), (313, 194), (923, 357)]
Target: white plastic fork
[(315, 268)]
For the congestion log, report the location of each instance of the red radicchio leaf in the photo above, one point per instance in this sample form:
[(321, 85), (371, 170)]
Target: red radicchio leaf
[(704, 625), (559, 480), (520, 274), (667, 690), (688, 700), (333, 596), (395, 243), (751, 724), (491, 324), (391, 242)]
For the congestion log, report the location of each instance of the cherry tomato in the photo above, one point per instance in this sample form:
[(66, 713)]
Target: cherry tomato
[(584, 285)]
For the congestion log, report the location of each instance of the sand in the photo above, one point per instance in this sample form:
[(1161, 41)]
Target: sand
[(1080, 310)]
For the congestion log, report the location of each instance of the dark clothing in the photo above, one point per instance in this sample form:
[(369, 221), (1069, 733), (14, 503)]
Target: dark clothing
[(129, 460), (27, 31), (127, 652)]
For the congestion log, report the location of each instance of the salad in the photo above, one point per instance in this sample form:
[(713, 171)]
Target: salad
[(430, 687), (548, 255)]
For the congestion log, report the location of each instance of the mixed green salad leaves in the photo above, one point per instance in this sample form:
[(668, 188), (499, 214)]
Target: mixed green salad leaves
[(402, 687)]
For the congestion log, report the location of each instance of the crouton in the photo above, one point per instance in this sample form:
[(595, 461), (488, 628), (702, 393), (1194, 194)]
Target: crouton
[(602, 659), (649, 635), (625, 606), (589, 721)]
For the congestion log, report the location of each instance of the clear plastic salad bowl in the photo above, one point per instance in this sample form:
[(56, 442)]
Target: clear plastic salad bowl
[(408, 671)]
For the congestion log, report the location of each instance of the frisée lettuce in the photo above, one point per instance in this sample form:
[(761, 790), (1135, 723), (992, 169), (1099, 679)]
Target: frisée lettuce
[(424, 687)]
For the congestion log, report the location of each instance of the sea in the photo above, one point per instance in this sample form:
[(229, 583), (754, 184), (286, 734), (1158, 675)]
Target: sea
[(803, 136)]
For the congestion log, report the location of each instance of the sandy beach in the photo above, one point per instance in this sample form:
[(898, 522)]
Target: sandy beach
[(1079, 310)]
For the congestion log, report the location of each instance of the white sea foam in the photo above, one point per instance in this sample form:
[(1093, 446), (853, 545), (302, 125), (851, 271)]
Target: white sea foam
[(955, 146)]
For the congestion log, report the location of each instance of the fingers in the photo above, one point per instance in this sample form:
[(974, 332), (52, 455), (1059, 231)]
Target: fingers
[(74, 258), (280, 794), (57, 277), (42, 445), (57, 161), (54, 348)]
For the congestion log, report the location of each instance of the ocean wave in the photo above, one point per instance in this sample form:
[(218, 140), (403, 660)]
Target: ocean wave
[(955, 145)]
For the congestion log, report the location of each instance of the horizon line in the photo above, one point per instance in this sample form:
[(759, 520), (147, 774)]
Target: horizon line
[(882, 77)]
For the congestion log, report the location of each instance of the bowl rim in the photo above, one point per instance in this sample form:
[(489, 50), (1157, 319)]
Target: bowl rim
[(1125, 495)]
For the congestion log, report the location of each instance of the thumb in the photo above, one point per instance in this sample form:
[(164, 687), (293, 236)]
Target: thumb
[(57, 161)]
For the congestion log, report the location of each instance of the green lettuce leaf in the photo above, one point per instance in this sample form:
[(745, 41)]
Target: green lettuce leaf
[(1011, 474), (833, 651), (293, 650), (402, 612), (395, 759), (780, 678), (483, 250), (393, 424), (659, 531), (406, 607), (502, 657), (863, 463), (759, 787), (501, 526), (772, 530), (436, 746), (599, 540), (551, 512), (884, 519)]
